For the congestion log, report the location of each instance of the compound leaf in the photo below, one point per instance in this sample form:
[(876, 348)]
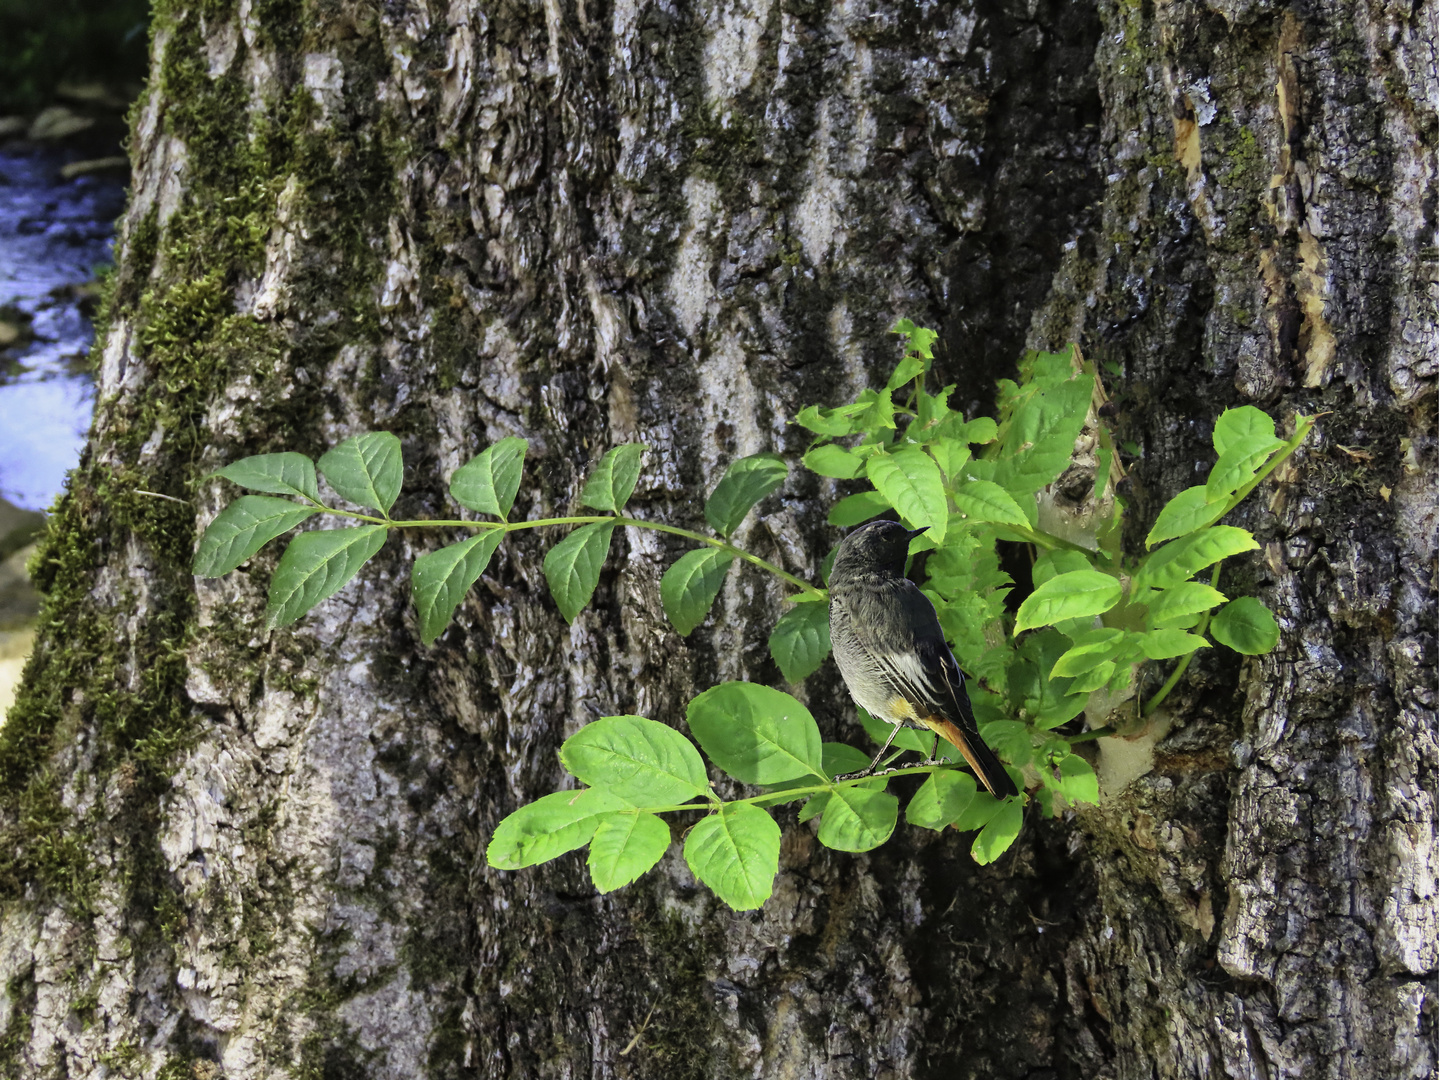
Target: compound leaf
[(572, 567), (613, 481), (756, 734), (736, 853), (624, 847), (801, 640), (280, 474), (242, 529), (316, 565), (366, 469), (744, 484), (440, 580), (489, 482), (689, 588)]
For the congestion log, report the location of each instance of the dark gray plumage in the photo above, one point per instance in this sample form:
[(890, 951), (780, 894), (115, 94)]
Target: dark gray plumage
[(892, 653)]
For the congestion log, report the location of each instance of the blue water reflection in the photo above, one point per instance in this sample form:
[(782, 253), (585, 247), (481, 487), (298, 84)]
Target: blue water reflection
[(54, 235)]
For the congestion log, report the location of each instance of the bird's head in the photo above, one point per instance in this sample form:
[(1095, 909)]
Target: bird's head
[(877, 548)]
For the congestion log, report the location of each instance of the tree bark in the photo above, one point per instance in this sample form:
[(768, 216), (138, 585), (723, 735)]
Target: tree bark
[(240, 854)]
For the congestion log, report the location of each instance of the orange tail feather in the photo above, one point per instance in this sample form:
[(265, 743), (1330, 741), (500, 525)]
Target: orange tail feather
[(976, 754)]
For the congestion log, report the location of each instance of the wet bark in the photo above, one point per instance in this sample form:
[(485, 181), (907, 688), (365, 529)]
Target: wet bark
[(232, 853)]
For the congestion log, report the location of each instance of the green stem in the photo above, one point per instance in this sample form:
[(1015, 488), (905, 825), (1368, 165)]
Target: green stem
[(1092, 735), (792, 794), (1200, 628), (516, 526), (1049, 541)]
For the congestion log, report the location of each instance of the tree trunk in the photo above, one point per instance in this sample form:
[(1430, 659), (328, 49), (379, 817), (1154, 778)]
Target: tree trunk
[(240, 854)]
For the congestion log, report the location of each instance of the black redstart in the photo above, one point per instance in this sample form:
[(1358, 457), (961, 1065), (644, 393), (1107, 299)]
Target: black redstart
[(892, 652)]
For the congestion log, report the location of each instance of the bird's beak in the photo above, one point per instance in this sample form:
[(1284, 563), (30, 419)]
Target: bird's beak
[(916, 532)]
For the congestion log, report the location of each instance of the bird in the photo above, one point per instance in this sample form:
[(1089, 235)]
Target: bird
[(892, 653)]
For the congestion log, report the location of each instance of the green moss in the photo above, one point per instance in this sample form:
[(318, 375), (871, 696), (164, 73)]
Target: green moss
[(21, 992), (122, 694)]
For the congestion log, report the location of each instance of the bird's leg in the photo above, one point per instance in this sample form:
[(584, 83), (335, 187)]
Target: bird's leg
[(895, 730), (934, 758), (870, 771)]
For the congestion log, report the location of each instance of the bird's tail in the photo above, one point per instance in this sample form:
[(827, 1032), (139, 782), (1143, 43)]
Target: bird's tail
[(979, 756)]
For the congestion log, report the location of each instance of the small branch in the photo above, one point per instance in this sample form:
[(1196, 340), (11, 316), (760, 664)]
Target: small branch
[(636, 1040), (157, 495)]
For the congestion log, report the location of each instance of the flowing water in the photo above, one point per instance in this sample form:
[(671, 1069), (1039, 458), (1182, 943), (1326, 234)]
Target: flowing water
[(55, 236)]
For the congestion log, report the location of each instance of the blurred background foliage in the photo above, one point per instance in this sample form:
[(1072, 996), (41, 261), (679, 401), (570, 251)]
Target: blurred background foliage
[(47, 43)]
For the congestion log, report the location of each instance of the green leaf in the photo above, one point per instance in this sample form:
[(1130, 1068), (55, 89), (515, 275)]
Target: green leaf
[(837, 759), (1075, 595), (1011, 739), (489, 482), (548, 827), (814, 807), (242, 529), (641, 761), (801, 640), (279, 474), (1238, 465), (613, 480), (858, 818), (853, 509), (1096, 677), (941, 799), (982, 809), (981, 500), (1039, 438), (905, 370), (1247, 626), (1183, 558), (1186, 512), (316, 565), (736, 853), (833, 461), (366, 469), (1089, 649), (756, 734), (829, 422), (744, 484), (1054, 563), (873, 412), (1237, 425), (1168, 644), (920, 339), (951, 455), (572, 567), (1077, 780), (624, 847), (1181, 601), (911, 482), (998, 834), (690, 586), (440, 580), (981, 430)]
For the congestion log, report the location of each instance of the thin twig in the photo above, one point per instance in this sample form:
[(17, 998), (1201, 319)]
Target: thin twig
[(643, 1025), (157, 495)]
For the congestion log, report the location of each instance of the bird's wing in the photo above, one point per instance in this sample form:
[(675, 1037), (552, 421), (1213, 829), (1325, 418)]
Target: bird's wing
[(916, 662)]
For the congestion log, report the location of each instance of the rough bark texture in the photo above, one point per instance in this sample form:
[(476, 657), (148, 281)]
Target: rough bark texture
[(235, 854)]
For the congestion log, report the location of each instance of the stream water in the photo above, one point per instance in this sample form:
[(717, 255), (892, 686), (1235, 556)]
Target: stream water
[(55, 236)]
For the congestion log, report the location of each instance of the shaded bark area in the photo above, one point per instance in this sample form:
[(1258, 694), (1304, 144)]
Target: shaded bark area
[(240, 854)]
